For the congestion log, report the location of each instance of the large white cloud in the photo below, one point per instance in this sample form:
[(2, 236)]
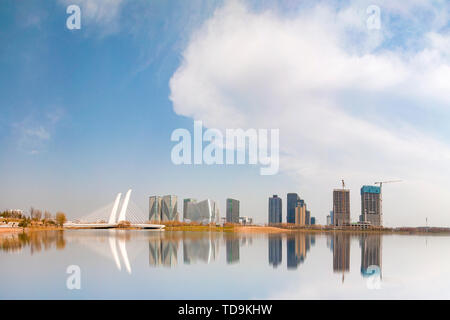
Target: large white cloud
[(264, 70)]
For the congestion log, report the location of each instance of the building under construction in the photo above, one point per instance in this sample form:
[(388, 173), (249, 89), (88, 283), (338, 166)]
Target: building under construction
[(371, 205), (341, 207)]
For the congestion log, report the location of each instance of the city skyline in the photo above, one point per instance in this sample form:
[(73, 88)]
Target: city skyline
[(165, 208), (87, 112)]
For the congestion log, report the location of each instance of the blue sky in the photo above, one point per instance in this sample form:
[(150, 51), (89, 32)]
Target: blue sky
[(88, 113)]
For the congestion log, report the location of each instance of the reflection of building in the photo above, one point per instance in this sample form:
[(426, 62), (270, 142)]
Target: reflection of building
[(330, 242), (205, 211), (297, 247), (232, 210), (201, 249), (292, 202), (275, 209), (370, 253), (371, 205), (341, 252), (232, 248), (163, 208), (275, 250), (341, 207), (162, 252)]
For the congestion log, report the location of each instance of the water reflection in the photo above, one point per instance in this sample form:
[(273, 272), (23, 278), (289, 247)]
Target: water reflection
[(275, 250), (297, 247), (370, 255), (201, 248), (164, 247), (35, 241), (341, 253), (232, 248), (163, 250)]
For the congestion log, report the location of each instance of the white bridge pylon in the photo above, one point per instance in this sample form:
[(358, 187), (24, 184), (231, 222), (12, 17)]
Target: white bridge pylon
[(114, 213), (123, 210), (112, 217)]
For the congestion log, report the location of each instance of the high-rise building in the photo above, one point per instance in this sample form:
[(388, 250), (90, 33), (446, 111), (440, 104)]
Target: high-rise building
[(163, 208), (341, 207), (300, 213), (275, 209), (371, 205), (169, 208), (205, 211), (232, 206), (185, 202), (313, 220), (308, 217), (155, 208), (292, 201)]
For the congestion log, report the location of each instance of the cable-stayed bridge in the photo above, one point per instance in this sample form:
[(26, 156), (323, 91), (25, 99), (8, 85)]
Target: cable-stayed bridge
[(114, 214)]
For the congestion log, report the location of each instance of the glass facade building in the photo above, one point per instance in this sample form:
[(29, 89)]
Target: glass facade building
[(205, 211), (169, 208), (275, 209), (232, 206), (292, 201), (155, 208), (163, 208)]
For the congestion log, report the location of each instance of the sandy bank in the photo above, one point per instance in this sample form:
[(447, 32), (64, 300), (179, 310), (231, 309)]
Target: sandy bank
[(10, 230), (256, 229)]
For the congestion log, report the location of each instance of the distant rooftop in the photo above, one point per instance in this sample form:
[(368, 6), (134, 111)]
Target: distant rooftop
[(370, 189)]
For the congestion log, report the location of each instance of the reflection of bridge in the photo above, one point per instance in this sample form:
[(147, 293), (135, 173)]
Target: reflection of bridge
[(111, 244), (130, 215)]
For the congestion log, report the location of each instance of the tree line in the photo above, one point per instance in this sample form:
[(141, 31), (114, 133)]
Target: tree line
[(36, 216)]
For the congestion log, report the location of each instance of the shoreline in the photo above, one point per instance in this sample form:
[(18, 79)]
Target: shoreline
[(256, 230), (281, 230), (15, 230), (9, 230)]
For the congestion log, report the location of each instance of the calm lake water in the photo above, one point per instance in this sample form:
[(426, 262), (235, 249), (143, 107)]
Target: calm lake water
[(137, 264)]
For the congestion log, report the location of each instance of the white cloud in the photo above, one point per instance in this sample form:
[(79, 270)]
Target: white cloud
[(245, 69), (32, 134)]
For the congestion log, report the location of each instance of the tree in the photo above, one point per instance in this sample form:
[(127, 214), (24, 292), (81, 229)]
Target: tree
[(60, 218), (35, 214), (47, 216), (24, 223)]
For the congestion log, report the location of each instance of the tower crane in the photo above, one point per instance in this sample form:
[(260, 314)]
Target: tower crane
[(381, 194)]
